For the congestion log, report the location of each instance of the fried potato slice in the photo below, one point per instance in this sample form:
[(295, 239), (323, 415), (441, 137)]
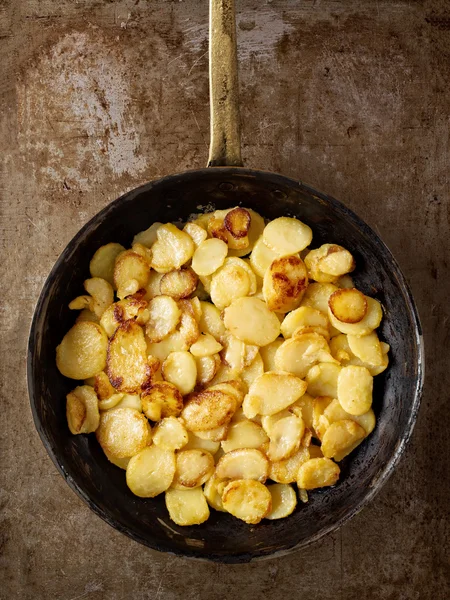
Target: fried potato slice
[(170, 434), (367, 348), (250, 373), (161, 400), (208, 409), (179, 283), (257, 225), (130, 401), (317, 296), (368, 323), (127, 365), (172, 249), (206, 345), (354, 389), (251, 321), (102, 294), (237, 222), (213, 491), (322, 379), (229, 283), (197, 233), (210, 321), (87, 315), (348, 305), (317, 473), (81, 303), (305, 316), (122, 463), (268, 354), (82, 410), (334, 412), (174, 342), (103, 262), (207, 367), (341, 438), (133, 307), (164, 316), (304, 408), (130, 267), (147, 237), (285, 471), (233, 354), (194, 468), (82, 352), (143, 251), (209, 256), (187, 507), (284, 501), (103, 387), (320, 422), (247, 500), (337, 261), (243, 463), (180, 369), (341, 350), (345, 282), (285, 282), (297, 355), (285, 437), (111, 402), (286, 235), (214, 435), (243, 264), (151, 471), (262, 257), (152, 288), (123, 432), (202, 444), (244, 434), (273, 391)]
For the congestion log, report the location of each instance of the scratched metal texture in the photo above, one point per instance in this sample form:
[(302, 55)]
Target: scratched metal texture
[(97, 97)]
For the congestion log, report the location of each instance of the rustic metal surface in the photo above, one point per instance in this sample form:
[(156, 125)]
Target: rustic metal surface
[(97, 97)]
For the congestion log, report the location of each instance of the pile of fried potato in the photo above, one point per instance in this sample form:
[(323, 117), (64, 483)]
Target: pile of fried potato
[(205, 374)]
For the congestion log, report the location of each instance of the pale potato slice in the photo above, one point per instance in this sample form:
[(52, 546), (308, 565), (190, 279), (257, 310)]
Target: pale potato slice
[(244, 434), (250, 354), (196, 306), (243, 463), (317, 296), (147, 237), (268, 354), (285, 282), (151, 471), (194, 468), (229, 283), (268, 421), (214, 435), (172, 249), (102, 386), (304, 408), (284, 501), (285, 437), (81, 303), (348, 305), (345, 282), (123, 432), (143, 251), (208, 409), (188, 329), (322, 379), (341, 437), (233, 354), (273, 391), (187, 507), (305, 316), (251, 321), (317, 473), (250, 373), (164, 316), (82, 352), (243, 264), (285, 471), (103, 262), (87, 315), (174, 342), (286, 235), (340, 349), (82, 410), (320, 422), (130, 267), (213, 491), (170, 434), (371, 320), (210, 321), (207, 367), (209, 256), (206, 345), (234, 387), (110, 402), (130, 401), (152, 288), (247, 500), (197, 233), (127, 365), (338, 261), (180, 369), (162, 400), (312, 329), (224, 374), (262, 257), (195, 441), (122, 463), (179, 283), (297, 355), (354, 389), (334, 412), (367, 348)]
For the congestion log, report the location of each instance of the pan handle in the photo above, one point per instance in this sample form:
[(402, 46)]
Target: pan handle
[(225, 146)]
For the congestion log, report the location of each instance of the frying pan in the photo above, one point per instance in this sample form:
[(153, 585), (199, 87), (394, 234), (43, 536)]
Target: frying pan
[(226, 184)]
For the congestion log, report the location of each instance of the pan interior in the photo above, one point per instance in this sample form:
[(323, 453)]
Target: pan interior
[(396, 392)]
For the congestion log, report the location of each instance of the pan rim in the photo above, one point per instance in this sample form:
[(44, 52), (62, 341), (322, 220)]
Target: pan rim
[(384, 473)]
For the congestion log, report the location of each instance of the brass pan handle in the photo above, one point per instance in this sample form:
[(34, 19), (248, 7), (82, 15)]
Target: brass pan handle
[(225, 146)]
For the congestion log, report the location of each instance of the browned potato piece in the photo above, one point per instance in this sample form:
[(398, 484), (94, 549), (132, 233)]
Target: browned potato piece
[(130, 266), (103, 262), (337, 261), (285, 282), (172, 249), (247, 500), (103, 387), (341, 438), (82, 410), (82, 352), (187, 506), (207, 367), (194, 468), (317, 473), (348, 305), (208, 409), (178, 284), (285, 471), (216, 229), (213, 491), (127, 365), (161, 400), (123, 432), (237, 222)]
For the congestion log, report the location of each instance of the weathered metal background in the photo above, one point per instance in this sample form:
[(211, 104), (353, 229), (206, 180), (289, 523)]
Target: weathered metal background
[(97, 97)]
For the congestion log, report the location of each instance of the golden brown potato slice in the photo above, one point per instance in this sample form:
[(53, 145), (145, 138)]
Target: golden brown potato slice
[(87, 315), (210, 321), (170, 434), (152, 287), (130, 401), (244, 434), (298, 354), (251, 321), (213, 491), (148, 237), (334, 412), (348, 305), (82, 410), (286, 235), (82, 352), (130, 267), (237, 222), (368, 323), (317, 296), (285, 437), (172, 249), (187, 507), (341, 437), (103, 387), (322, 379), (206, 345), (104, 260), (174, 342), (209, 256), (111, 402), (151, 471), (194, 468), (257, 225), (341, 350), (305, 316), (367, 348), (216, 229), (178, 284), (304, 408), (285, 282), (354, 389), (197, 233), (243, 463), (247, 500), (284, 501), (127, 365), (123, 432), (317, 473), (188, 328), (285, 471), (208, 409), (320, 422), (207, 367), (180, 369), (162, 400), (229, 283), (164, 316), (133, 307), (243, 264), (337, 261), (122, 463), (273, 391)]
